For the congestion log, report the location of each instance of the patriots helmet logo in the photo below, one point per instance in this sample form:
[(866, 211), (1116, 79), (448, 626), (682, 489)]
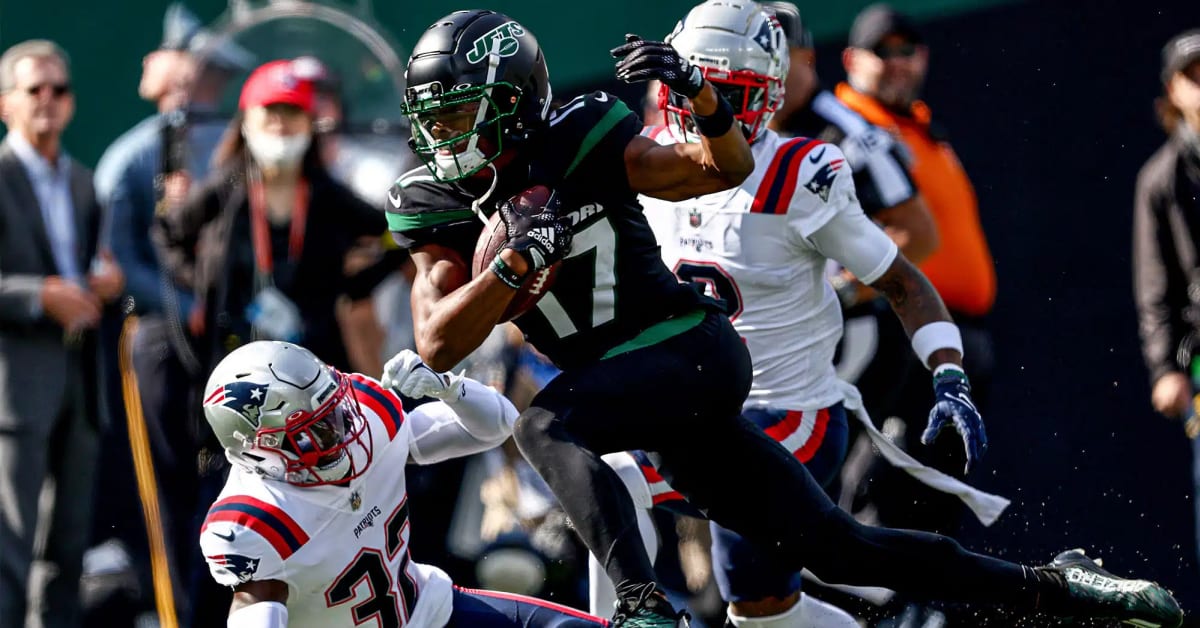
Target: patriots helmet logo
[(242, 567), (246, 398), (822, 182)]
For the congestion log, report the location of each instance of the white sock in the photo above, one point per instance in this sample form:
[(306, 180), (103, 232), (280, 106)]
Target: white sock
[(809, 612)]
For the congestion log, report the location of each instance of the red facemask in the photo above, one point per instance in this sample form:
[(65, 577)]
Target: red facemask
[(318, 445), (748, 94)]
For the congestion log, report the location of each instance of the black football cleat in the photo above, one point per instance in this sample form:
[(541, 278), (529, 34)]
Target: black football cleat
[(1098, 593)]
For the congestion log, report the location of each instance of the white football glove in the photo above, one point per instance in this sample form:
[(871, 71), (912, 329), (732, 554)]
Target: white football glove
[(408, 375)]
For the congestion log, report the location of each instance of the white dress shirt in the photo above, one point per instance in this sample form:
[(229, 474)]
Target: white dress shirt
[(52, 187)]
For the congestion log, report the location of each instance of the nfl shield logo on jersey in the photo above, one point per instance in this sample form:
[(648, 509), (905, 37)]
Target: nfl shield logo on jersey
[(694, 218), (355, 500)]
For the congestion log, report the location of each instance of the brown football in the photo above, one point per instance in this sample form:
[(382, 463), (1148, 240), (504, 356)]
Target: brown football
[(492, 239)]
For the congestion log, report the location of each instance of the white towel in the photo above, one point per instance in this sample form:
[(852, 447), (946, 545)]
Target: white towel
[(987, 507)]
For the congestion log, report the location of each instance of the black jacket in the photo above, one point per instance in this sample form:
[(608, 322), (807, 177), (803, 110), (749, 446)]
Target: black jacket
[(205, 244), (1166, 269)]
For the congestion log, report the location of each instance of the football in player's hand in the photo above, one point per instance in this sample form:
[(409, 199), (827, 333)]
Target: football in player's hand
[(492, 240)]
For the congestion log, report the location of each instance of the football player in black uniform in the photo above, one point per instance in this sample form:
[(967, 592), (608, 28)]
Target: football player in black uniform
[(648, 363)]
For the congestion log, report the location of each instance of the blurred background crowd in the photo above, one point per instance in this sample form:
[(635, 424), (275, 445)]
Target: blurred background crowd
[(178, 180)]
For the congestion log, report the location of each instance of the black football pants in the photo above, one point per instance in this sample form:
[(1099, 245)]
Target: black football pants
[(682, 399)]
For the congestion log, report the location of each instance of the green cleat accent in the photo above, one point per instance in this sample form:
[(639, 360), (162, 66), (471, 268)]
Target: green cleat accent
[(1098, 593), (645, 607)]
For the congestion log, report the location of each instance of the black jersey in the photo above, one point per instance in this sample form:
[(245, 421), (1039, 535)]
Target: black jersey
[(879, 162), (613, 283)]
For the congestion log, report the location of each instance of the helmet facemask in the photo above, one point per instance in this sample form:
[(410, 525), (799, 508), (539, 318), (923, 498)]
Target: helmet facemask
[(742, 52), (460, 132), (753, 97), (325, 446)]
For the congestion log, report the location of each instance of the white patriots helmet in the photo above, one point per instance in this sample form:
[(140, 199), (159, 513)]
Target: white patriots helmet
[(742, 51), (280, 412)]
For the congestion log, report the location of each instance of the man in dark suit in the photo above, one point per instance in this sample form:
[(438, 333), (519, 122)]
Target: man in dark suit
[(53, 286)]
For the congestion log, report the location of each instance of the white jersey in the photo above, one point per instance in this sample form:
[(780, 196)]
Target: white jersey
[(342, 550), (754, 247)]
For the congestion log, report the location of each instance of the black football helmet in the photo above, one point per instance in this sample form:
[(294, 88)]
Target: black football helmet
[(473, 75)]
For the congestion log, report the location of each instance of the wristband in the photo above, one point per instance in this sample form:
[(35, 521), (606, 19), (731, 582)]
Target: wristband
[(949, 369), (718, 122), (506, 273), (936, 335)]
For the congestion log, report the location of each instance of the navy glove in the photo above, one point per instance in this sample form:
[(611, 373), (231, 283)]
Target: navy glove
[(542, 238), (641, 60), (953, 406)]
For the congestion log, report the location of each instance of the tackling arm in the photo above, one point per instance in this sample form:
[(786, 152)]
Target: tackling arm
[(468, 418), (476, 420)]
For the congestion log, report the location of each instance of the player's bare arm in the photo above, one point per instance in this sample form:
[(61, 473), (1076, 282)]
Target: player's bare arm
[(254, 604), (937, 342), (917, 303), (721, 160), (910, 225), (452, 313), (680, 171)]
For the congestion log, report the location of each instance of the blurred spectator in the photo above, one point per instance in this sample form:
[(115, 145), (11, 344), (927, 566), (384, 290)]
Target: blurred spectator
[(54, 283), (362, 170), (360, 156), (135, 177), (886, 64), (1166, 219), (195, 127), (1165, 263), (263, 243), (885, 188)]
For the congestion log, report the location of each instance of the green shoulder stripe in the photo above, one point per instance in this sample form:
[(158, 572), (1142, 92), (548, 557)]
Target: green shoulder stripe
[(405, 222), (611, 117)]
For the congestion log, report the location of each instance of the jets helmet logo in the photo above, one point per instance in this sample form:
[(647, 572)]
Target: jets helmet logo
[(246, 398), (501, 40)]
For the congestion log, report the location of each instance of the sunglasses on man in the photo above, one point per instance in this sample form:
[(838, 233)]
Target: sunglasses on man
[(895, 51), (58, 90)]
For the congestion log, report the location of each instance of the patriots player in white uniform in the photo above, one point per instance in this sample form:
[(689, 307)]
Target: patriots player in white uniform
[(312, 526), (762, 248)]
